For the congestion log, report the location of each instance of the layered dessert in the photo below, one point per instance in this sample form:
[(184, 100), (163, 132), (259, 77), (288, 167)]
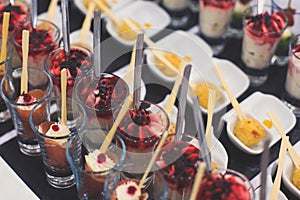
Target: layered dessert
[(41, 41), (261, 35), (249, 131), (97, 166), (77, 63), (178, 162), (25, 103), (102, 98), (215, 16), (220, 186), (175, 5), (141, 128), (128, 189), (296, 178), (202, 91)]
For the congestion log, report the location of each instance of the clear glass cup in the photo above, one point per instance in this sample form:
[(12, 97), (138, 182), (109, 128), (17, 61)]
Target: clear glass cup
[(101, 98), (4, 112), (214, 19), (89, 183), (178, 161), (291, 92), (40, 87), (42, 40), (282, 50), (225, 184), (157, 189), (53, 138), (259, 44), (78, 65)]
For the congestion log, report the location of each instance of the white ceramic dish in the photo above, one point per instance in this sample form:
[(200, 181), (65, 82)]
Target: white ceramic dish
[(12, 186), (114, 5), (182, 44), (75, 36), (56, 18), (122, 72), (256, 106), (142, 12), (288, 170)]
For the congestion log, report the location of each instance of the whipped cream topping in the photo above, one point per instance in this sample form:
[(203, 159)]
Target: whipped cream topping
[(57, 130), (26, 99), (128, 191), (97, 161)]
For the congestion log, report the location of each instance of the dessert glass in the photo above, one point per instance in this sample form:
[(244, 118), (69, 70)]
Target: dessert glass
[(156, 190), (214, 19), (90, 184), (101, 98), (4, 113), (225, 184), (78, 65), (178, 10), (57, 169), (42, 40), (282, 50), (291, 92), (260, 42), (40, 87), (179, 166)]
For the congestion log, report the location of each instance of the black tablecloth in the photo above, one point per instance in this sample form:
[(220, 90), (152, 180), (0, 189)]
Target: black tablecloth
[(30, 169)]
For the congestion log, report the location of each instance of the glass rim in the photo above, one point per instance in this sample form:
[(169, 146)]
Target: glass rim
[(281, 8), (295, 38)]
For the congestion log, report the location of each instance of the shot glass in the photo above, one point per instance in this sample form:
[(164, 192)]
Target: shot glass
[(90, 174), (293, 13), (78, 64), (128, 187), (261, 34), (4, 113), (178, 161), (178, 10), (101, 98), (39, 88), (54, 136), (42, 40), (225, 184), (214, 19), (291, 92)]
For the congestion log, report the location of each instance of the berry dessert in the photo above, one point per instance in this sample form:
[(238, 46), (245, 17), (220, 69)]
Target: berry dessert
[(178, 162), (141, 128), (41, 41), (77, 64), (102, 97), (215, 16), (228, 186), (261, 35), (25, 104), (249, 131), (18, 13), (128, 189), (202, 91), (55, 147)]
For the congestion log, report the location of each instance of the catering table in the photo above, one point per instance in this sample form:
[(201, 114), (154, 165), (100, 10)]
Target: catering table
[(31, 171)]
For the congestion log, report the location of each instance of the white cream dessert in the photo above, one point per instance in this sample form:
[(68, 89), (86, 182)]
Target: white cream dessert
[(214, 17), (128, 189), (292, 84), (175, 5), (98, 162), (56, 130), (26, 99)]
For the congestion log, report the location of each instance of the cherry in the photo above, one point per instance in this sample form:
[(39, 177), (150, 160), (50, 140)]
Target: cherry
[(27, 98), (55, 127), (131, 190), (101, 158)]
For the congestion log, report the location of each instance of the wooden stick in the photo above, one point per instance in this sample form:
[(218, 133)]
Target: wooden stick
[(87, 23), (277, 182), (24, 76), (233, 100), (113, 129), (5, 25), (292, 152), (51, 9), (110, 14), (128, 76), (63, 85), (210, 112), (198, 179)]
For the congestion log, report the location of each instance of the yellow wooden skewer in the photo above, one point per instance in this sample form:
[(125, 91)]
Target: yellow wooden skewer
[(5, 26), (24, 76), (63, 84)]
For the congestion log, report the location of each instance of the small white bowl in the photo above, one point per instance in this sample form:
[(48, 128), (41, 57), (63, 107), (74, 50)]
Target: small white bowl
[(182, 44), (114, 5), (57, 18), (288, 169), (142, 12), (256, 106), (75, 36)]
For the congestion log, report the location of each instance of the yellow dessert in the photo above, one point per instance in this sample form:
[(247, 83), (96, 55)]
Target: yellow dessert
[(174, 60), (213, 165), (249, 131), (126, 32), (268, 123), (172, 128), (88, 2), (296, 178), (202, 91)]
